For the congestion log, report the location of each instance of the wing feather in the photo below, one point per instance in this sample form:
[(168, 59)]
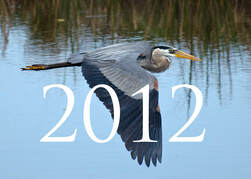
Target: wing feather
[(116, 66)]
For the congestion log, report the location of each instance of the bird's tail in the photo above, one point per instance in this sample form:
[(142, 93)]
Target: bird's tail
[(50, 66)]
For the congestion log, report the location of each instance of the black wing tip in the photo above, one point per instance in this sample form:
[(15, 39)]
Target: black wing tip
[(155, 159), (128, 130)]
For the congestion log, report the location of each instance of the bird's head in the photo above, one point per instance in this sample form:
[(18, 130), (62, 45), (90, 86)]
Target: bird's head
[(167, 52), (158, 58)]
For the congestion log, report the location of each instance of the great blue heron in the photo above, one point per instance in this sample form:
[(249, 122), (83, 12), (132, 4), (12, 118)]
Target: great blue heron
[(123, 67)]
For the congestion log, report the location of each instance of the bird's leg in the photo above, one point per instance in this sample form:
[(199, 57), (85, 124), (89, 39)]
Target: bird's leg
[(35, 67), (50, 66)]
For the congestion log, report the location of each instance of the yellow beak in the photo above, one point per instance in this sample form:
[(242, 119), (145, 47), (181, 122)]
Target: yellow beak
[(181, 54)]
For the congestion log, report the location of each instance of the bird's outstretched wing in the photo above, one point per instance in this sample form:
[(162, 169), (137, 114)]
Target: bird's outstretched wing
[(116, 66)]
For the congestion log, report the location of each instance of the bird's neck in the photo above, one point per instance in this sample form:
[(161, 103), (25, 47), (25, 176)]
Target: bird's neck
[(156, 66)]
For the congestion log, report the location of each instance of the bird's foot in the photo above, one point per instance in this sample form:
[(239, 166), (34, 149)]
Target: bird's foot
[(35, 67)]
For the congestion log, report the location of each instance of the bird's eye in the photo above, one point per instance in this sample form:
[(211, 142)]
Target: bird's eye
[(172, 51)]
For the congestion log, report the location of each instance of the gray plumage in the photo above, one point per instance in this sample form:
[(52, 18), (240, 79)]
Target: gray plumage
[(118, 63), (118, 67), (125, 67)]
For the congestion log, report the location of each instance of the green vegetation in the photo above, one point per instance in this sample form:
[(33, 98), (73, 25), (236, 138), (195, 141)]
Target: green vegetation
[(207, 22), (211, 28)]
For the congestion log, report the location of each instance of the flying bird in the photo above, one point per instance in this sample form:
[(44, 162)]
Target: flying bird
[(127, 67)]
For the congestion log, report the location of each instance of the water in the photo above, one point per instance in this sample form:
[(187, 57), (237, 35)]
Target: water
[(34, 32)]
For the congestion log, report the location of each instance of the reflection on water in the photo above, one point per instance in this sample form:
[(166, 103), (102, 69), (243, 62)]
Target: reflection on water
[(219, 32)]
